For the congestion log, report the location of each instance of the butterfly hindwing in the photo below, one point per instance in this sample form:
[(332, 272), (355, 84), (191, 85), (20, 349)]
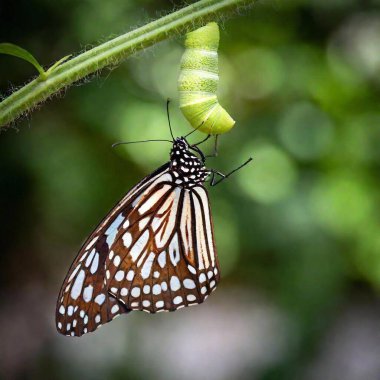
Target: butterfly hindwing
[(169, 266)]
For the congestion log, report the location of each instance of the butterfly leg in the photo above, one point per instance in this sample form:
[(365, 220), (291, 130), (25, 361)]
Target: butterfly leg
[(202, 141), (214, 172), (215, 152)]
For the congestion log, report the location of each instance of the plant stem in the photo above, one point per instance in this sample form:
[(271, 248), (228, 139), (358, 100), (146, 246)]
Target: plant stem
[(113, 52)]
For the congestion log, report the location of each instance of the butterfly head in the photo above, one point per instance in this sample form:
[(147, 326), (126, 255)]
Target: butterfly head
[(180, 143)]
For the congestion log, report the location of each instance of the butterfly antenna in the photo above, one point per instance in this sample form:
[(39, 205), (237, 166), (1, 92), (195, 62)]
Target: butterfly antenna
[(168, 114), (136, 142)]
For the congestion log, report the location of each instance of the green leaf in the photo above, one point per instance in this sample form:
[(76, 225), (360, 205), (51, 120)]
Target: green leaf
[(58, 63), (17, 51)]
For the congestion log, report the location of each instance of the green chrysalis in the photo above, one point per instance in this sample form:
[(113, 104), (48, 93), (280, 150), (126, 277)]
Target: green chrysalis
[(198, 82)]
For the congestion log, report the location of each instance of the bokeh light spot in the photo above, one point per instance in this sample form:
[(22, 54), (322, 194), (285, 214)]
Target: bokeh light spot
[(260, 72), (144, 121), (357, 42), (272, 175), (306, 131), (342, 203)]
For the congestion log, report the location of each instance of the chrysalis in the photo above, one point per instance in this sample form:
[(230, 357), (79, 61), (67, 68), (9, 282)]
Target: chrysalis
[(198, 82)]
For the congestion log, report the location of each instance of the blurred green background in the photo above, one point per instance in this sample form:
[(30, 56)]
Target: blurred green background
[(298, 231)]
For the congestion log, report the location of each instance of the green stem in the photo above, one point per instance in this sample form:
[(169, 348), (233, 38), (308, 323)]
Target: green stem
[(114, 51)]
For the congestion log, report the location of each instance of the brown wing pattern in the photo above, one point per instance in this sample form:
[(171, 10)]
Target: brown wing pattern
[(154, 252)]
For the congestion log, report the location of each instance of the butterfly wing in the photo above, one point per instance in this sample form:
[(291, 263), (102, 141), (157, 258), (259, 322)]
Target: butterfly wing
[(155, 251)]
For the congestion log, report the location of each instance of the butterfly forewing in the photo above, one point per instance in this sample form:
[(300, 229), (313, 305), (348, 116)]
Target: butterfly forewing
[(154, 252), (84, 300)]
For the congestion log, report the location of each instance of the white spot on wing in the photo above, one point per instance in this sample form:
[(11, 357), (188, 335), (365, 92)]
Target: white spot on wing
[(127, 239), (119, 276), (156, 289), (99, 299), (162, 259), (139, 245), (188, 283), (174, 250), (87, 293), (174, 283), (143, 222), (177, 300), (112, 230), (130, 275), (77, 286), (146, 289), (95, 263), (116, 261), (89, 258), (114, 309), (147, 267)]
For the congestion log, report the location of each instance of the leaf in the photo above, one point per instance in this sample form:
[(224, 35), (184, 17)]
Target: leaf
[(58, 63), (17, 51)]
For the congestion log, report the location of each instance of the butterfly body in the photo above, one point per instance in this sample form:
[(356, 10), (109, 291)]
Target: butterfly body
[(154, 251), (188, 169)]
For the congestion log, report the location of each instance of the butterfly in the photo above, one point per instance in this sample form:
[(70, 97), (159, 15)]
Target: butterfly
[(154, 251)]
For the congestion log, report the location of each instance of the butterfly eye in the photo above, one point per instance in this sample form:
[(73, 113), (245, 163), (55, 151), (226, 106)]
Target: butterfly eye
[(198, 82)]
